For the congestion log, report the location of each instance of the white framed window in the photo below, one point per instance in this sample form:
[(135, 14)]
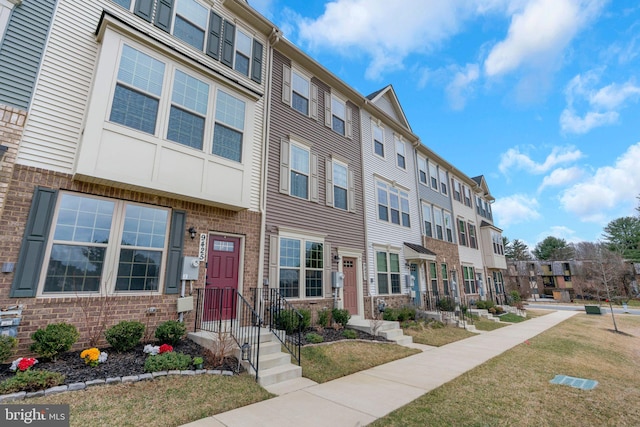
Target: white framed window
[(229, 126), (444, 272), (433, 275), (428, 222), (136, 100), (448, 226), (300, 171), (340, 185), (242, 58), (106, 246), (124, 3), (467, 196), (300, 92), (393, 205), (401, 155), (443, 182), (190, 22), (388, 273), (498, 245), (338, 115), (378, 140), (462, 232), (422, 170), (468, 275), (433, 175), (437, 214), (139, 100), (473, 241), (457, 192), (300, 267)]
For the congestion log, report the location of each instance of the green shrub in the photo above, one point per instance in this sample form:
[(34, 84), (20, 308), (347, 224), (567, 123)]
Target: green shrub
[(7, 344), (390, 314), (446, 304), (350, 334), (54, 339), (341, 316), (170, 332), (306, 318), (125, 335), (514, 298), (313, 338), (289, 321), (406, 313), (324, 318), (169, 361), (485, 305), (30, 381)]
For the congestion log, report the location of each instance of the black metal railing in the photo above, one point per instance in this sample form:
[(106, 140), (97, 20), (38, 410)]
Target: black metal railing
[(448, 308), (224, 312), (281, 317)]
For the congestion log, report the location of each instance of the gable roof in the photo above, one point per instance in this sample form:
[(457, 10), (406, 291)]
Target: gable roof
[(389, 93), (482, 183)]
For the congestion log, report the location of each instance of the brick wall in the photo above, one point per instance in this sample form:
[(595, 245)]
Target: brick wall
[(446, 253), (11, 126), (39, 312)]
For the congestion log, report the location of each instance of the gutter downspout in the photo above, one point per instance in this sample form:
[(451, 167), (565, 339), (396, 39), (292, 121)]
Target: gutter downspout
[(273, 40)]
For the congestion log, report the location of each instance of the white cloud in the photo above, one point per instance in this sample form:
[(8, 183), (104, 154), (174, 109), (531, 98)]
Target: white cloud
[(539, 34), (461, 86), (609, 188), (514, 159), (515, 209), (561, 176), (600, 104), (265, 7), (561, 232)]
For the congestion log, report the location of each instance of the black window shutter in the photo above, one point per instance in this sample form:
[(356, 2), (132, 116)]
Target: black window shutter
[(144, 9), (256, 64), (213, 41), (163, 15), (34, 243), (228, 41), (174, 257)]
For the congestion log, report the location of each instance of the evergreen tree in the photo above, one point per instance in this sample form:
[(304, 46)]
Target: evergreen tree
[(517, 251), (553, 249), (622, 235)]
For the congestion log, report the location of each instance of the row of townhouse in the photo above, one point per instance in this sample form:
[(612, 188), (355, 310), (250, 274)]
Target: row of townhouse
[(139, 132)]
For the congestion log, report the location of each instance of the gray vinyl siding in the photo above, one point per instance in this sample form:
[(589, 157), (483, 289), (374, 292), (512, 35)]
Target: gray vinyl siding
[(343, 228), (434, 197), (21, 51)]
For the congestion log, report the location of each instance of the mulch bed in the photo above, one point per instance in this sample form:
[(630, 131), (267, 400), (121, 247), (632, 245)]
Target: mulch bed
[(132, 362)]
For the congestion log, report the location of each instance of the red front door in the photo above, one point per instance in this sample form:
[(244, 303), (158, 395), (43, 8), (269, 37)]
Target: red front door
[(222, 278), (350, 285)]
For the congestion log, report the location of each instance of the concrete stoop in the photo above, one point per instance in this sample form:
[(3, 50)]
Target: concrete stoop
[(384, 328), (274, 366), (484, 314)]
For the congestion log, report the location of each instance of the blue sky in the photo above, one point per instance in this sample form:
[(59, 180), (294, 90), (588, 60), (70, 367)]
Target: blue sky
[(540, 96)]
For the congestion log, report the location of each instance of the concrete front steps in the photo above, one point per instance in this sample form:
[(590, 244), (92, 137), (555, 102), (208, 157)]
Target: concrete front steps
[(274, 366), (484, 314), (386, 329)]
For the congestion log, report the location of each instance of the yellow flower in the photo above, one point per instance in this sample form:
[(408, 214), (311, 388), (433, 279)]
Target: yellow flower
[(90, 356)]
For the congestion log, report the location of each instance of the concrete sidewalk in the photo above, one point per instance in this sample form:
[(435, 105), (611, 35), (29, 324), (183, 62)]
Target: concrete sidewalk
[(361, 398)]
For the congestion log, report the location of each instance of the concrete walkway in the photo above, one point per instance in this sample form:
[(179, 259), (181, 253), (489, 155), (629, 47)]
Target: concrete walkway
[(363, 397)]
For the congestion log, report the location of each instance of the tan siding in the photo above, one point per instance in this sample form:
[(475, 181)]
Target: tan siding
[(343, 228)]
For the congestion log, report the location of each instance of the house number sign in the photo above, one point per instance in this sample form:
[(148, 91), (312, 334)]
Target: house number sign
[(202, 250)]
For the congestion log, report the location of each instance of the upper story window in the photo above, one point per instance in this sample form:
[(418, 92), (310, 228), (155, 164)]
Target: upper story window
[(443, 182), (437, 214), (91, 237), (200, 27), (457, 194), (498, 246), (300, 92), (340, 185), (462, 232), (338, 115), (229, 127), (138, 101), (393, 205), (433, 174), (448, 226), (401, 155), (124, 3), (473, 242), (422, 170), (137, 94), (468, 275), (467, 196), (428, 223), (300, 157), (378, 140), (190, 22)]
